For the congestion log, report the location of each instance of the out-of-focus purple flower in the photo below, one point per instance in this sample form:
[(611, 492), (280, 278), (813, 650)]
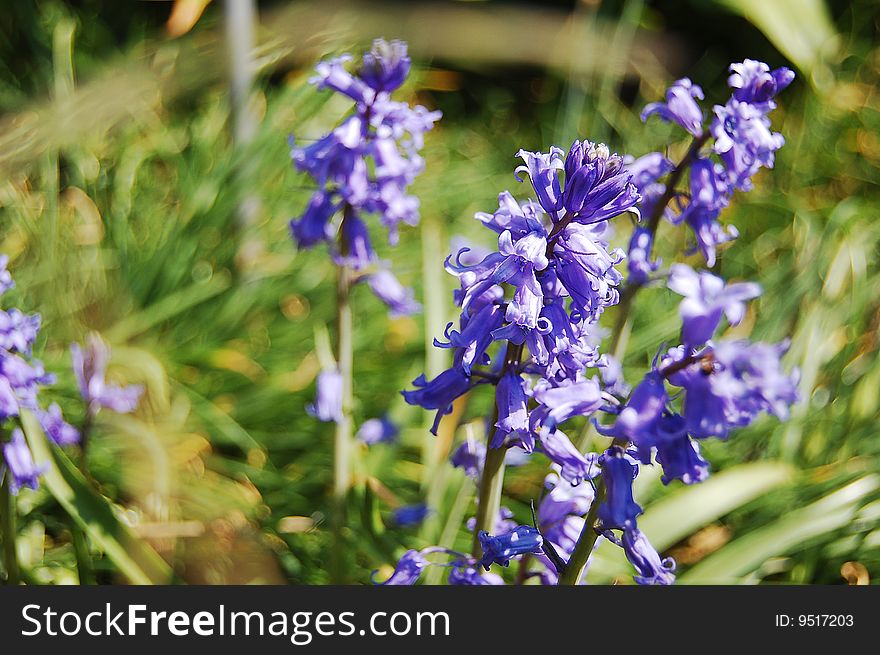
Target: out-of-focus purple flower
[(706, 297), (503, 523), (365, 164), (328, 396), (409, 515), (611, 372), (314, 226), (618, 510), (744, 140), (385, 66), (502, 548), (439, 393), (732, 384), (575, 466), (680, 107), (20, 464), (650, 568), (407, 571), (56, 428), (377, 430), (18, 331), (469, 457), (753, 82), (639, 262), (398, 298), (90, 368), (463, 573), (6, 281), (359, 253)]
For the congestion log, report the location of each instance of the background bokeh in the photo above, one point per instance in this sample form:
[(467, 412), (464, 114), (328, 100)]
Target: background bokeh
[(128, 207)]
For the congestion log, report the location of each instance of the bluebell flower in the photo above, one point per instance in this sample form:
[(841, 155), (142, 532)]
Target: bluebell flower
[(513, 416), (753, 82), (314, 226), (464, 573), (574, 466), (388, 289), (679, 455), (618, 510), (597, 185), (732, 384), (650, 568), (638, 261), (710, 193), (358, 251), (55, 427), (559, 402), (385, 66), (470, 456), (439, 393), (407, 571), (706, 298), (20, 466), (680, 107), (647, 171), (744, 141), (475, 337), (328, 397), (90, 370), (377, 430), (502, 548), (410, 515)]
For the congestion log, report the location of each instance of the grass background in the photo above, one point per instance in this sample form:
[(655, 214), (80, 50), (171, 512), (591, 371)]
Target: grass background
[(119, 188)]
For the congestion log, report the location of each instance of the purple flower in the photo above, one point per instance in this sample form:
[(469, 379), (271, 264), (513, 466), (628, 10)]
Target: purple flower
[(753, 82), (398, 298), (20, 464), (463, 573), (706, 298), (359, 253), (680, 456), (439, 393), (328, 397), (18, 331), (575, 467), (559, 403), (744, 140), (585, 267), (89, 368), (407, 571), (56, 428), (618, 510), (475, 337), (732, 384), (513, 417), (597, 186), (377, 430), (639, 262), (409, 515), (469, 457), (650, 568), (501, 549), (385, 66), (680, 107), (6, 281), (543, 172), (314, 225)]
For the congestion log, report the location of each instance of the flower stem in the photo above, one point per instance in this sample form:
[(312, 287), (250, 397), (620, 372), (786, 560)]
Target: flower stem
[(492, 480), (7, 528), (342, 446), (574, 570), (80, 543)]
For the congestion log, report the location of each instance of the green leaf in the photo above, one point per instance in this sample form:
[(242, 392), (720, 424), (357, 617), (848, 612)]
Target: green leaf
[(746, 554), (683, 512), (800, 29), (134, 558)]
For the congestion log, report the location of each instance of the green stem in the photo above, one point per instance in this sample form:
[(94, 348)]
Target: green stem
[(492, 480), (342, 447), (7, 527), (574, 570), (80, 542)]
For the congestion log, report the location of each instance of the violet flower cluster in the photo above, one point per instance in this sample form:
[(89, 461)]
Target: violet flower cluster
[(529, 327), (741, 142), (364, 166), (21, 379)]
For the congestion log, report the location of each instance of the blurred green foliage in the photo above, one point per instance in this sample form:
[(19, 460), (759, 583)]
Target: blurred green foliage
[(132, 232)]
